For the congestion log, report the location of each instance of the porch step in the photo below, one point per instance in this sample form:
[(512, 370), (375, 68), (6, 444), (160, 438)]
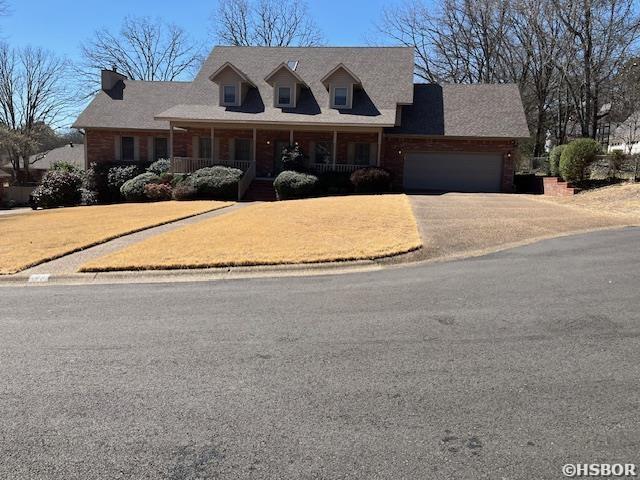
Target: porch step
[(260, 191), (554, 186)]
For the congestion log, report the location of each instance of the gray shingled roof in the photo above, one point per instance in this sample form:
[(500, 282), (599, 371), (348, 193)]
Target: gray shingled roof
[(387, 80), (386, 75), (67, 153), (465, 111), (132, 104)]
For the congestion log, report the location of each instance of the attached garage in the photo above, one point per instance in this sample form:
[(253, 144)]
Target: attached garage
[(453, 172)]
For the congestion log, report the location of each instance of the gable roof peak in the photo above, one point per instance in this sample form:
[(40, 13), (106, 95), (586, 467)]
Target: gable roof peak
[(285, 66), (236, 70), (340, 66)]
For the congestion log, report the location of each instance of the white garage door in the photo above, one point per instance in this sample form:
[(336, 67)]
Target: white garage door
[(453, 172)]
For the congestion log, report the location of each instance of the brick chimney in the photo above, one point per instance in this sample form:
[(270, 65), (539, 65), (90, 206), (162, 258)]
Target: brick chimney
[(110, 78)]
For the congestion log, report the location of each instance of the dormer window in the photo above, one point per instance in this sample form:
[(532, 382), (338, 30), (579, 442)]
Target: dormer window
[(229, 95), (284, 97), (340, 97), (233, 85), (340, 83), (286, 83)]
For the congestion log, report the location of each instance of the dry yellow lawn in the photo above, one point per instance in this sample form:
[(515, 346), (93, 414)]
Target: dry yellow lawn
[(621, 199), (32, 238), (299, 231)]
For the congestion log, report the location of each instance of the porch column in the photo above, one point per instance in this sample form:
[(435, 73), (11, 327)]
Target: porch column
[(171, 141), (213, 144), (379, 145), (255, 144), (291, 137), (335, 148)]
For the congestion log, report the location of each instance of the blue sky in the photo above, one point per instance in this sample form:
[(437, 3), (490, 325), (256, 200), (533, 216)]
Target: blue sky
[(62, 24)]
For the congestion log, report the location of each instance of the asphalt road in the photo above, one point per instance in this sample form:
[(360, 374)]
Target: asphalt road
[(506, 366)]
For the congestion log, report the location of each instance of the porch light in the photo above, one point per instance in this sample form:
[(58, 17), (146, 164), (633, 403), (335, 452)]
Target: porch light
[(509, 155), (268, 142), (399, 152)]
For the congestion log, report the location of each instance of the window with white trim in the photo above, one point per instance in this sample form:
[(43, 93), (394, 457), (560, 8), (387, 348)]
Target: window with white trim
[(229, 95), (284, 98), (340, 97)]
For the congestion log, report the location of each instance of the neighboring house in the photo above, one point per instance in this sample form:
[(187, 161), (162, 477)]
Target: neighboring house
[(346, 107), (40, 163), (626, 136)]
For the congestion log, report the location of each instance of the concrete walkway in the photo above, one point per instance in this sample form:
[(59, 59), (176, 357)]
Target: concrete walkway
[(15, 211), (72, 262)]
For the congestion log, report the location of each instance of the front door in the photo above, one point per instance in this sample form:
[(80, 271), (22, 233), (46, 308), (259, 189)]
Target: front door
[(277, 156)]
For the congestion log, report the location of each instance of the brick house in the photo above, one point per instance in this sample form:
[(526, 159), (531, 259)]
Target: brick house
[(345, 107)]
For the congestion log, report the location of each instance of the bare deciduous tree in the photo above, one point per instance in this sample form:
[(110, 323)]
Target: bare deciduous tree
[(271, 23), (143, 49), (34, 94), (563, 54), (603, 34)]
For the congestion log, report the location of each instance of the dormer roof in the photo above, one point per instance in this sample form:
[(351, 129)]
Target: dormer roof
[(236, 70), (336, 69), (285, 66)]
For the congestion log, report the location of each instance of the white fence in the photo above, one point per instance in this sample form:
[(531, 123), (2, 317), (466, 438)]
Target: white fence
[(190, 164), (338, 167)]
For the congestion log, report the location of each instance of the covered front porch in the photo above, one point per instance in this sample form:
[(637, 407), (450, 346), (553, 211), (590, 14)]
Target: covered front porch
[(259, 149)]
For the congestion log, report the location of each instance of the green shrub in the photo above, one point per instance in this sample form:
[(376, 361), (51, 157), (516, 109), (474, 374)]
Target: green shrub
[(185, 192), (178, 179), (554, 160), (293, 158), (160, 166), (157, 192), (371, 180), (88, 197), (216, 182), (63, 166), (59, 188), (576, 158), (117, 176), (290, 184), (133, 190)]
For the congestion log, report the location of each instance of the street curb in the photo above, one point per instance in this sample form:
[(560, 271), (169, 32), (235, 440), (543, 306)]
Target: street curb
[(194, 275)]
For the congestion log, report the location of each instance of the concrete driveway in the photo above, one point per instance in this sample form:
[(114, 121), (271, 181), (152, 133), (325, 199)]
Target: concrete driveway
[(506, 366), (458, 224)]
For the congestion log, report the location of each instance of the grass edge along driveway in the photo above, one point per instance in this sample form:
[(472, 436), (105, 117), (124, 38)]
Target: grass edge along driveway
[(315, 230), (34, 238)]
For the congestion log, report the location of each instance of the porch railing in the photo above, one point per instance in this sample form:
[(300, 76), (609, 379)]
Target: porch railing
[(338, 167), (190, 164), (248, 177)]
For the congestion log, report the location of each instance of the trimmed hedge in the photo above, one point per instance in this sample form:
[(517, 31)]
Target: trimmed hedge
[(157, 192), (371, 180), (216, 182), (290, 185), (554, 160), (184, 192), (577, 157), (160, 166), (117, 176), (59, 188), (133, 190)]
